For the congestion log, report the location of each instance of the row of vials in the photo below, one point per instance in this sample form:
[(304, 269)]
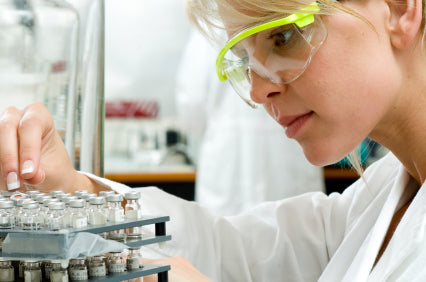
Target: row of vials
[(74, 269), (57, 210)]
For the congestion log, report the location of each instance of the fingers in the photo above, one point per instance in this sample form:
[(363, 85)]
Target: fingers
[(30, 134), (9, 122), (21, 137)]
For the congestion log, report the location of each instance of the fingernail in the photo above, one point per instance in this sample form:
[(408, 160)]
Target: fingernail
[(12, 181), (27, 167)]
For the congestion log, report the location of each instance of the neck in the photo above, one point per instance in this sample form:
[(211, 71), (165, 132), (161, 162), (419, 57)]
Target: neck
[(403, 130)]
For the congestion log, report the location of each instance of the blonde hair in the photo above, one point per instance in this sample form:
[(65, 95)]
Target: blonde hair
[(207, 15)]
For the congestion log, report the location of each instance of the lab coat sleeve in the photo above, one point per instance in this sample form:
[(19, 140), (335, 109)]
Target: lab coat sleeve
[(289, 240)]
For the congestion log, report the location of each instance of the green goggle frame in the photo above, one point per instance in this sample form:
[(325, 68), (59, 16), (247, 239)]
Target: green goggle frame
[(299, 19)]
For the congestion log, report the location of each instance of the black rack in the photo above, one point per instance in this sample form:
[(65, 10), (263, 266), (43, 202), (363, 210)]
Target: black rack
[(59, 238)]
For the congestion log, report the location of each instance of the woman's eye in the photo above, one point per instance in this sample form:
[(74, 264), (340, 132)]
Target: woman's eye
[(282, 38)]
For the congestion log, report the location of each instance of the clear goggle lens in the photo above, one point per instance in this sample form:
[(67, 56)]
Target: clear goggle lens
[(280, 54)]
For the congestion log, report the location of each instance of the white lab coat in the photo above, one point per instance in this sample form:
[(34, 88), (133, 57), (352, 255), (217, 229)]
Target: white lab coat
[(244, 157), (311, 237)]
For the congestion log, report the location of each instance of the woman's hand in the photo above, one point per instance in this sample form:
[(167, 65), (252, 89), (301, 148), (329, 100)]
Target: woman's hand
[(32, 152), (181, 270)]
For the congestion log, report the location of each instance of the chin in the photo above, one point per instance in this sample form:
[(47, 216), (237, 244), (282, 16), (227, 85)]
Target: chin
[(319, 157)]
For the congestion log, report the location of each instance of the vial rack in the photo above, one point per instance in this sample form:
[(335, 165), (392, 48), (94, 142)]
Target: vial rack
[(59, 238)]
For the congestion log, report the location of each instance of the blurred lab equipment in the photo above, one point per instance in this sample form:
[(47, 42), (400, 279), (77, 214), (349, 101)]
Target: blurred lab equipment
[(243, 156), (131, 134), (140, 124), (51, 51), (136, 137)]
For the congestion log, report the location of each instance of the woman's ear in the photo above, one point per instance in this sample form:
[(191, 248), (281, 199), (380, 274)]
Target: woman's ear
[(404, 22)]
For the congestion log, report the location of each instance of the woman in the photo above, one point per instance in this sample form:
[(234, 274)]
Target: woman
[(232, 178), (330, 80)]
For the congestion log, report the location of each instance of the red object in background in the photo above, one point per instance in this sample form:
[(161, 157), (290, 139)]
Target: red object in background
[(133, 109), (58, 66)]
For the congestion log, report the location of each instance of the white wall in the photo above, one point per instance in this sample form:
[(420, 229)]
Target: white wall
[(143, 45)]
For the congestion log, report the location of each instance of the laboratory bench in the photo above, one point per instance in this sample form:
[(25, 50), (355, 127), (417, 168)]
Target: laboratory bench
[(181, 182)]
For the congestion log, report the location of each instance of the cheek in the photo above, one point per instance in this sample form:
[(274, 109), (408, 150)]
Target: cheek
[(349, 94)]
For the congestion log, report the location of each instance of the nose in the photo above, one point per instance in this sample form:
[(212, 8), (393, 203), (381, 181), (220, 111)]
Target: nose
[(262, 89)]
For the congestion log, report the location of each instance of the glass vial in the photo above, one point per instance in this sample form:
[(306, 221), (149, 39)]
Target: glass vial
[(7, 272), (116, 263), (116, 214), (97, 214), (78, 213), (19, 211), (32, 271), (59, 273), (30, 219), (133, 208), (78, 270), (87, 197), (132, 211), (7, 217), (97, 267), (44, 209), (55, 218), (115, 210), (106, 194), (67, 200), (134, 259)]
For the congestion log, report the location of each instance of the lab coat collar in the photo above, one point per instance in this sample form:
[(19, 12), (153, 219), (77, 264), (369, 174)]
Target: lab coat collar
[(406, 243), (366, 256), (354, 258), (407, 246)]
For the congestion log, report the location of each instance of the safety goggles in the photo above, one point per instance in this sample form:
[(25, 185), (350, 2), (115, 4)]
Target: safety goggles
[(279, 51)]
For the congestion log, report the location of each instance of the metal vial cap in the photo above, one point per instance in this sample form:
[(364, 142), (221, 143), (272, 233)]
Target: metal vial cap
[(46, 202), (56, 206), (97, 201), (79, 203), (38, 195), (5, 193), (32, 192), (81, 192), (88, 196), (132, 195), (64, 195), (30, 205), (67, 200), (115, 198), (55, 193), (6, 204), (20, 202)]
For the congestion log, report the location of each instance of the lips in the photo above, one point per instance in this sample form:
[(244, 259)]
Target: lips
[(294, 123)]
